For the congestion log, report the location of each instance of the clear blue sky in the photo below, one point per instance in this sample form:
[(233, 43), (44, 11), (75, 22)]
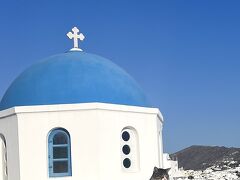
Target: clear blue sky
[(184, 54)]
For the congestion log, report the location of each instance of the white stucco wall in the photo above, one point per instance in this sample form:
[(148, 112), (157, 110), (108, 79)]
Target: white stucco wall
[(9, 129), (95, 130), (3, 160)]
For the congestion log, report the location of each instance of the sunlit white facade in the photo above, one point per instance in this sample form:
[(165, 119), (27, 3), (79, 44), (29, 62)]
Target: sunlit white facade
[(107, 141)]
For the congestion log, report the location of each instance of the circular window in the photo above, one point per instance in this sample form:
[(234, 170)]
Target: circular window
[(125, 136), (126, 149), (126, 162)]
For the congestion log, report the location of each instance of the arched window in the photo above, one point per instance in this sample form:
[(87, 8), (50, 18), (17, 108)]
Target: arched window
[(59, 153), (129, 150), (3, 158)]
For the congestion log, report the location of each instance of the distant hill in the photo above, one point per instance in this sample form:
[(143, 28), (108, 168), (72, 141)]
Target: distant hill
[(202, 157)]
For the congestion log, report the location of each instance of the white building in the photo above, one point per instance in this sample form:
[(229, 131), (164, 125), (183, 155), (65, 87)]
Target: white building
[(78, 116), (174, 173)]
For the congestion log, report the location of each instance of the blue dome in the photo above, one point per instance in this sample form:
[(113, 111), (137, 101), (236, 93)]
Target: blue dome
[(73, 77)]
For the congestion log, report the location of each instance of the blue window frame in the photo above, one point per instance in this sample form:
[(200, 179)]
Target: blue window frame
[(59, 153)]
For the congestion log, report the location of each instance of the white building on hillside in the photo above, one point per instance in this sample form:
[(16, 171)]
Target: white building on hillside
[(174, 173), (78, 116)]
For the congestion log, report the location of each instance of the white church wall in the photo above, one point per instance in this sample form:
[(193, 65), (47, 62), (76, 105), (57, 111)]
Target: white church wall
[(95, 131), (129, 149), (3, 158), (145, 125), (9, 130), (160, 140), (82, 129)]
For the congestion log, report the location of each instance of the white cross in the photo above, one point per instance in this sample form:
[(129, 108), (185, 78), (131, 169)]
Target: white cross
[(75, 36)]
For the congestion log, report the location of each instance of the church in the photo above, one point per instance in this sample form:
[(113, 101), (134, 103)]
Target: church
[(77, 115)]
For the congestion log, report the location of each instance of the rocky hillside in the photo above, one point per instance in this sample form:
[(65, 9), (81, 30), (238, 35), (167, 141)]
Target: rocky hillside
[(202, 157)]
